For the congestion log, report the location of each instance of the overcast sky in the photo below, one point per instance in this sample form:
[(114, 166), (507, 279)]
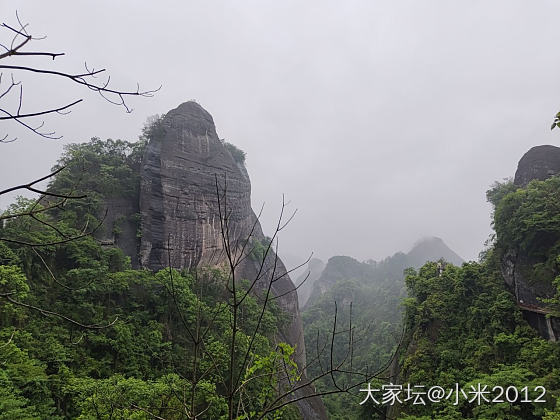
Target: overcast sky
[(381, 121)]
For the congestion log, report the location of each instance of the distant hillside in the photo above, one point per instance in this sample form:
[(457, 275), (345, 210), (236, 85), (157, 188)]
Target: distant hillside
[(341, 268), (370, 295)]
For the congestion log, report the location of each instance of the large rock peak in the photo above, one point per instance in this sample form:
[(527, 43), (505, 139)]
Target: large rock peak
[(178, 196), (540, 162), (432, 249), (194, 115), (181, 214)]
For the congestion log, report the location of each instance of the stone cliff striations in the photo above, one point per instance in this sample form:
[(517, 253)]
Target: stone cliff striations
[(180, 213), (178, 200)]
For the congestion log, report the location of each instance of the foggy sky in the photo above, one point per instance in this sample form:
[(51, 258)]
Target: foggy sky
[(381, 122)]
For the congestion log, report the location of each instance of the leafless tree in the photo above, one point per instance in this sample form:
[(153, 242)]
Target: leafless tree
[(38, 211), (291, 382), (17, 43), (47, 200), (16, 46)]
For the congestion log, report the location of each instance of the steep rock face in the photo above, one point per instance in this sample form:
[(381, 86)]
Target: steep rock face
[(540, 162), (180, 213), (178, 200)]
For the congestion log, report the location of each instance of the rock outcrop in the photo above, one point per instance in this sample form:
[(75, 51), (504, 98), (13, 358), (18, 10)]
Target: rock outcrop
[(120, 226), (540, 163), (178, 199), (181, 207)]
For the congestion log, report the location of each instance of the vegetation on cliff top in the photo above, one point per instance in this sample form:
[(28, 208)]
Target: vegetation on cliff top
[(464, 327)]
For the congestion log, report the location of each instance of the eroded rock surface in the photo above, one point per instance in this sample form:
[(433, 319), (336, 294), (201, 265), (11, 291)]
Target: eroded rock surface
[(307, 279), (540, 162), (180, 213), (178, 200)]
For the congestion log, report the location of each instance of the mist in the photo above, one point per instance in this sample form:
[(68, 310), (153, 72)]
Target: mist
[(380, 122)]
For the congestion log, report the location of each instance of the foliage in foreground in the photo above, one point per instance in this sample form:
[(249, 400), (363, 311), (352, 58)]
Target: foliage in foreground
[(464, 327), (141, 364), (137, 358), (375, 314)]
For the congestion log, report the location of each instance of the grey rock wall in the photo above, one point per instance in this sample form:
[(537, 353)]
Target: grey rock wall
[(180, 214), (120, 226), (178, 200), (307, 279), (540, 162)]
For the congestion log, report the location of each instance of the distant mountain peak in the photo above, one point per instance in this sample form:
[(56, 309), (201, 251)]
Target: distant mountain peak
[(427, 239), (432, 248), (341, 268)]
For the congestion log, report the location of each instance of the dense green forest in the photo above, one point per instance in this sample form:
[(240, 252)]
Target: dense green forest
[(464, 327), (375, 314), (369, 300), (83, 335), (137, 281), (370, 295)]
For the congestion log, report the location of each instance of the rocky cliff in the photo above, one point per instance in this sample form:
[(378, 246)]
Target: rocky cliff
[(178, 200), (539, 163), (181, 211)]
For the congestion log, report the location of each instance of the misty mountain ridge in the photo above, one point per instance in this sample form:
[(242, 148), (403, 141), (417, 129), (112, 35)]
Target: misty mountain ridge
[(368, 294), (340, 268)]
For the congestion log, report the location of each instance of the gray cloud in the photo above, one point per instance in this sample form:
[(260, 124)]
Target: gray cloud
[(381, 121)]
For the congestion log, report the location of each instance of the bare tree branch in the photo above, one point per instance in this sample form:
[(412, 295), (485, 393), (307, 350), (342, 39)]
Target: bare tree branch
[(20, 39)]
